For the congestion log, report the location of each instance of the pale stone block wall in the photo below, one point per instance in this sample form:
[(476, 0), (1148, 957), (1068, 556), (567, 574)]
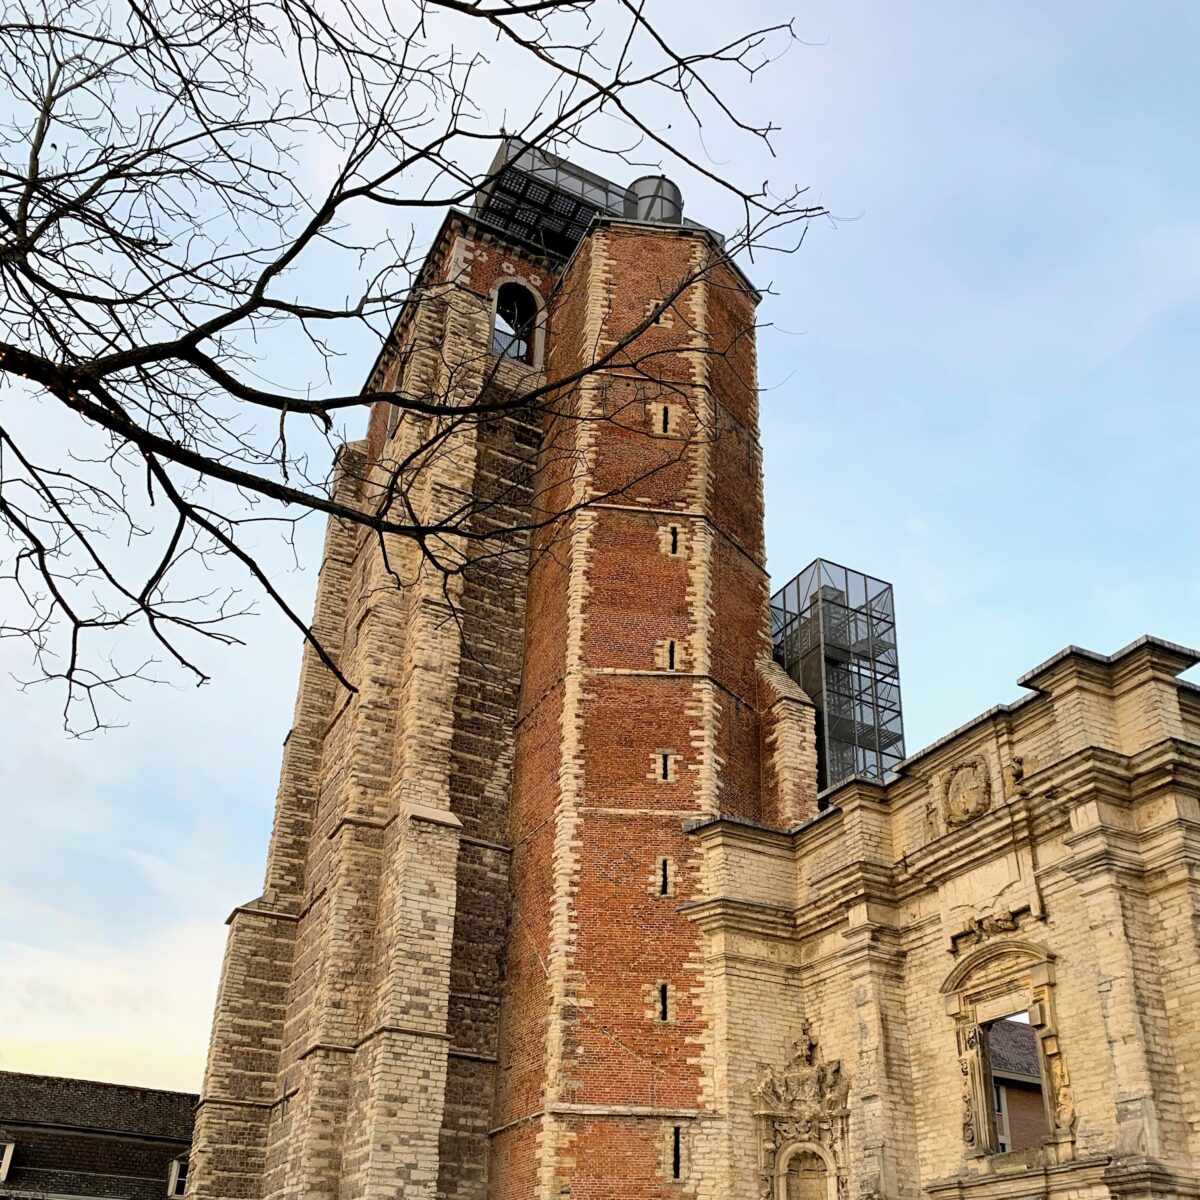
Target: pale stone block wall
[(1041, 859)]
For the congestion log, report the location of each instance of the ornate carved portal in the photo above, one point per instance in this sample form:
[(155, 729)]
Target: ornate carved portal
[(999, 979), (803, 1116)]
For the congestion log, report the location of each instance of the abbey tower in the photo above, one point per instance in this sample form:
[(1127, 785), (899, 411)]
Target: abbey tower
[(553, 907)]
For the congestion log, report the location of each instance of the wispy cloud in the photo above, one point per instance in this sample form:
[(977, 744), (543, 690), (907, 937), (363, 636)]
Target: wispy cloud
[(138, 1014)]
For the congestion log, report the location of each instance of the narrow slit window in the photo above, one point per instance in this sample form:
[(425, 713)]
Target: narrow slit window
[(676, 1153), (674, 539), (662, 1001), (664, 876), (665, 763), (666, 418), (670, 656)]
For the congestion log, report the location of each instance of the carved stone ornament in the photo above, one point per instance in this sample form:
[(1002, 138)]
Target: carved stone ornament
[(979, 929), (970, 1043), (1014, 775), (968, 792), (806, 1102), (1060, 1090)]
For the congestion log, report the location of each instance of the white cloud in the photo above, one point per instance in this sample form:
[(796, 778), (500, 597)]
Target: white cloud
[(138, 1015)]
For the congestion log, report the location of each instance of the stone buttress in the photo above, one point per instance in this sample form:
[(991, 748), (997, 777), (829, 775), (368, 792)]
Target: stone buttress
[(354, 1038)]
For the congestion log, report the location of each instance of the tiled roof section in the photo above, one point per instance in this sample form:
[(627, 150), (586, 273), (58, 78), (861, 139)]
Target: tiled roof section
[(1012, 1046), (85, 1104)]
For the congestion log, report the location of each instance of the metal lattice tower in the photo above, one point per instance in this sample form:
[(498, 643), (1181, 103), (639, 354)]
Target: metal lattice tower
[(834, 632)]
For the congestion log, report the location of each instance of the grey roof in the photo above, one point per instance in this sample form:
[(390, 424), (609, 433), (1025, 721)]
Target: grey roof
[(87, 1104), (1012, 1047)]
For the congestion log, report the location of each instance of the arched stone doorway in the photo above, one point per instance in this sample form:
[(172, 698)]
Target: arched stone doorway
[(803, 1173)]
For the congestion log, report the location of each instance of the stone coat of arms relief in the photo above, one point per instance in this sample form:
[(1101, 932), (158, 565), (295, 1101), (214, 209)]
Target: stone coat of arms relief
[(968, 792), (805, 1103)]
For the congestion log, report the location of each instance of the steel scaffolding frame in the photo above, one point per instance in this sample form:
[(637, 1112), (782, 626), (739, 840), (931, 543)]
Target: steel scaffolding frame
[(833, 630)]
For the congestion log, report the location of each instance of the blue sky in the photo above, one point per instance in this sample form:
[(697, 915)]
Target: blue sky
[(980, 385)]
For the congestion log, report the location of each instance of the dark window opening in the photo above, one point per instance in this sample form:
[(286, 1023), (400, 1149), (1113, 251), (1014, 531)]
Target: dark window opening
[(664, 881), (674, 539), (670, 656), (177, 1182), (1014, 1063), (662, 1001), (676, 1153), (666, 420), (516, 318), (666, 766)]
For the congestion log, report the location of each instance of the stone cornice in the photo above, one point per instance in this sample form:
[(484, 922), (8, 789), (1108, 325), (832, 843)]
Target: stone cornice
[(1036, 1180), (1111, 672), (1175, 657), (1002, 828), (742, 916), (253, 908)]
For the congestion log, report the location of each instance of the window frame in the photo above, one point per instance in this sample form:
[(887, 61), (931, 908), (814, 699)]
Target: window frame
[(991, 984), (533, 342), (173, 1175)]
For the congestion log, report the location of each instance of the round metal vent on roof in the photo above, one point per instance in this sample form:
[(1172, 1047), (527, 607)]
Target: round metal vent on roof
[(654, 198)]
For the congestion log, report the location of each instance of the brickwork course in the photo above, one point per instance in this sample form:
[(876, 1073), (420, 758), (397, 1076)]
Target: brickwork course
[(74, 1137), (552, 908)]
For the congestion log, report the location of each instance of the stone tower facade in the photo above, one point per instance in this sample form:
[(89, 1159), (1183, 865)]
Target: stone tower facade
[(552, 907)]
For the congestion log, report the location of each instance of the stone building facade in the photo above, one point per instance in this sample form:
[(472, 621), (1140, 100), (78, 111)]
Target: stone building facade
[(552, 906)]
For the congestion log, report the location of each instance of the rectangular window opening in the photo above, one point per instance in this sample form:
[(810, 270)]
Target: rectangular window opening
[(670, 656), (674, 539), (666, 765), (177, 1176), (662, 1001), (666, 418), (676, 1153), (1014, 1062), (664, 876)]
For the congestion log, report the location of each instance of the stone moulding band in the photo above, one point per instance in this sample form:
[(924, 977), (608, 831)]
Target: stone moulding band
[(410, 1030), (474, 841), (432, 816), (250, 911), (331, 1047), (356, 823), (640, 1111), (227, 1103)]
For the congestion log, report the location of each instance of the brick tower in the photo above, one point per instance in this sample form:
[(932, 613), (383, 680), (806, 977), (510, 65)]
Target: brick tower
[(471, 972), (552, 910), (645, 641)]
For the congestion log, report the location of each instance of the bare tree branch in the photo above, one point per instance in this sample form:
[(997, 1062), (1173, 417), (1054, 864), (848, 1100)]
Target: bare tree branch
[(178, 183)]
